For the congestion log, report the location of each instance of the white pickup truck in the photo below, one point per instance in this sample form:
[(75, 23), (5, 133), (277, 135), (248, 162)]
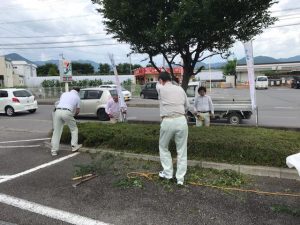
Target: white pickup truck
[(231, 109)]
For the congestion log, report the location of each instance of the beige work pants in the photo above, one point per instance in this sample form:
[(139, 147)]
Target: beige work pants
[(62, 117), (178, 128)]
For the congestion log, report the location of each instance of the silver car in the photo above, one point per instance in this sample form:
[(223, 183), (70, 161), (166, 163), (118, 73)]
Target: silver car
[(93, 101)]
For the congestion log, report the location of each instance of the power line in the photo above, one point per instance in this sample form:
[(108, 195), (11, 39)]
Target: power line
[(71, 46), (289, 9), (47, 19), (286, 25), (46, 36), (55, 42)]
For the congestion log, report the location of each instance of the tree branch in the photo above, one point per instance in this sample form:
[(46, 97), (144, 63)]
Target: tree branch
[(199, 70), (153, 64)]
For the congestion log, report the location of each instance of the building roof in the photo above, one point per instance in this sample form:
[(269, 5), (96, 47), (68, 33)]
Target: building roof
[(286, 66)]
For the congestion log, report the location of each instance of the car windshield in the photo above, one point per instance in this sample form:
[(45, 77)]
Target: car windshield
[(22, 93), (262, 79)]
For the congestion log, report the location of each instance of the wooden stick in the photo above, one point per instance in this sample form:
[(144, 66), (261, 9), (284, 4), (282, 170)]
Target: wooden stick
[(84, 180), (83, 176)]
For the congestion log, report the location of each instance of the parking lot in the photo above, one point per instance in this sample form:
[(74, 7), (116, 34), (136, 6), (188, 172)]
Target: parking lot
[(36, 188)]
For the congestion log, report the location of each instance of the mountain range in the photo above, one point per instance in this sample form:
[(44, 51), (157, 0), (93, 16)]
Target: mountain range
[(257, 60)]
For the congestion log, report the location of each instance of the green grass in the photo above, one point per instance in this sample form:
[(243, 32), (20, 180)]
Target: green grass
[(121, 170), (237, 145), (286, 210)]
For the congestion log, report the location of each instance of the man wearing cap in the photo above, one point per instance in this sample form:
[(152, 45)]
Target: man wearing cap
[(69, 105), (173, 105)]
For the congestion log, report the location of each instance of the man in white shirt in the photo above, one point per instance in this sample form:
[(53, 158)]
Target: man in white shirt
[(203, 108), (69, 105), (173, 105), (113, 109)]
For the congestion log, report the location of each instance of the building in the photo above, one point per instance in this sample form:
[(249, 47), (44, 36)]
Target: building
[(146, 74), (282, 70), (6, 73), (25, 71)]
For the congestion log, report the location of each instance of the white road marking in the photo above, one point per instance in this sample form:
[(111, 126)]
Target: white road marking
[(38, 167), (4, 176), (283, 107), (48, 211), (21, 146), (28, 140)]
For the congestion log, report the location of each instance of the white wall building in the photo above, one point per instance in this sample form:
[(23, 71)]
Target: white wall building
[(25, 71), (6, 73), (261, 69)]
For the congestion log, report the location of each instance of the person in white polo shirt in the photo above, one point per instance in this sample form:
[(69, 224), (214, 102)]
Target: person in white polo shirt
[(203, 108), (173, 106), (68, 107)]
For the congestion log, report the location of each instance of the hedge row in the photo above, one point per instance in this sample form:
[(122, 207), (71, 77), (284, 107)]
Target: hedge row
[(238, 145)]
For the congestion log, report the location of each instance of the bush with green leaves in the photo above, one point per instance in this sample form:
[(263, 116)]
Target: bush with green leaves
[(238, 145)]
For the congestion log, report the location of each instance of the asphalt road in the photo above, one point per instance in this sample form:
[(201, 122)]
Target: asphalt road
[(34, 194)]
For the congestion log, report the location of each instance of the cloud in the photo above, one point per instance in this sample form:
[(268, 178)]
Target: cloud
[(80, 16)]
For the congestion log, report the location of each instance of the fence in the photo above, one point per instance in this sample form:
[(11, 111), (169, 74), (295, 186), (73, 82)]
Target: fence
[(55, 92)]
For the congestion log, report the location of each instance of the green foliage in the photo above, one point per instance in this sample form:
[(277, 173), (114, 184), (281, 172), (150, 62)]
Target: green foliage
[(185, 27), (223, 178), (254, 146), (135, 182), (48, 69), (82, 68), (104, 68), (286, 209), (230, 67), (79, 83)]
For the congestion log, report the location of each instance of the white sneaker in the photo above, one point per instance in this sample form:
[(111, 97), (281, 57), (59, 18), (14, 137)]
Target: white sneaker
[(161, 174), (76, 148), (54, 153), (180, 183)]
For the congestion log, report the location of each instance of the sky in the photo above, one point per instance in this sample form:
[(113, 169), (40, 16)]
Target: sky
[(55, 19)]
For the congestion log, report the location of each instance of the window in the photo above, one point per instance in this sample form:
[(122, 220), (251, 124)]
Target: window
[(3, 94), (93, 94), (22, 93), (81, 94), (148, 86), (262, 79), (113, 92), (190, 91), (153, 85)]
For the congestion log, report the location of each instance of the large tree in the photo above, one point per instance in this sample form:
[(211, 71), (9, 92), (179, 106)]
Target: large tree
[(104, 68), (49, 69), (82, 68), (191, 29)]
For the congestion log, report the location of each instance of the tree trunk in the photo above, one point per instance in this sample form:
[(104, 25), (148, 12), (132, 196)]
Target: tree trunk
[(187, 73)]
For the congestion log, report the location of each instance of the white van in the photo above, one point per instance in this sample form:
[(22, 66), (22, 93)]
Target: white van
[(261, 82)]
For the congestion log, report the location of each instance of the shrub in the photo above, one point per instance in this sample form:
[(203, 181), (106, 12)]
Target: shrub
[(253, 146)]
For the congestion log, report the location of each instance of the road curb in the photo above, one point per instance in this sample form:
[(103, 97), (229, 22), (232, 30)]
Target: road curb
[(265, 171)]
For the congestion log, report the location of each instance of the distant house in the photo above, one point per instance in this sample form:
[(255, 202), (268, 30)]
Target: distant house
[(26, 71), (147, 74), (283, 69), (6, 73)]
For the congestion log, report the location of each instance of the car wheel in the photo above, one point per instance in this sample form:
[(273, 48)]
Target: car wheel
[(9, 111), (234, 119), (102, 116), (32, 110)]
